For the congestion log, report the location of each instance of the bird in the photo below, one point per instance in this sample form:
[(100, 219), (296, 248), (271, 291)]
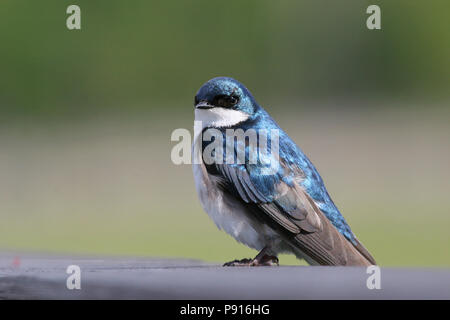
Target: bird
[(286, 210)]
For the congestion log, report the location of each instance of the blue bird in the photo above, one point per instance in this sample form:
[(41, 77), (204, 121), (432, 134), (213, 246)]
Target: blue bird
[(286, 209)]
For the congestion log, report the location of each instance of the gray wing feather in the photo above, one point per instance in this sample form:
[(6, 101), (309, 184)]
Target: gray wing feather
[(305, 225)]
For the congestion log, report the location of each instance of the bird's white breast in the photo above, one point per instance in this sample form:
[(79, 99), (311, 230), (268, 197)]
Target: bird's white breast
[(227, 213)]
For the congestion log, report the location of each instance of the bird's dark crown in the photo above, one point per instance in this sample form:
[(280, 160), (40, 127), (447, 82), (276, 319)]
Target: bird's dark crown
[(225, 92)]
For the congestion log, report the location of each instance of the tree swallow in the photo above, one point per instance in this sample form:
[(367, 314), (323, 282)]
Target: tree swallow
[(285, 210)]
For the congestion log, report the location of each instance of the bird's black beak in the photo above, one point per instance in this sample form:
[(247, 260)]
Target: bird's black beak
[(203, 105)]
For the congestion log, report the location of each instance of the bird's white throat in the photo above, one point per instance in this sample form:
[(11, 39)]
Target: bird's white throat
[(220, 117)]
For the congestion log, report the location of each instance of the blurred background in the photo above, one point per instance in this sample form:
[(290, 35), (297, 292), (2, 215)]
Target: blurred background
[(86, 118)]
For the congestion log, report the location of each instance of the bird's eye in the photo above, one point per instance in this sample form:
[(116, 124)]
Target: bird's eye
[(226, 101), (196, 101)]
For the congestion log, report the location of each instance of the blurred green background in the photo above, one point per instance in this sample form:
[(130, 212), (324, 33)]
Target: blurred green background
[(86, 118)]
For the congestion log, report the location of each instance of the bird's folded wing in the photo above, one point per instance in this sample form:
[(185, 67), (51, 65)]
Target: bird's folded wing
[(292, 211)]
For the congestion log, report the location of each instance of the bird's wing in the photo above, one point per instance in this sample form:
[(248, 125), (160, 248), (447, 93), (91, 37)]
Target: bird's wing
[(282, 202)]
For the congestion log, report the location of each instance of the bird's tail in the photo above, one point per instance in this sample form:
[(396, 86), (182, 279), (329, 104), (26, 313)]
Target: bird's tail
[(364, 252)]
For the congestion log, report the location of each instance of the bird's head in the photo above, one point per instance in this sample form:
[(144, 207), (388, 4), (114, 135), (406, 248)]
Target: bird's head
[(223, 102)]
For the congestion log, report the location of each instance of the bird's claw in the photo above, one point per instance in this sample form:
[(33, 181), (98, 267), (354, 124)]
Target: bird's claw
[(265, 261), (238, 263)]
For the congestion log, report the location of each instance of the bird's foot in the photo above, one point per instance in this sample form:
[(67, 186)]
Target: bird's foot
[(265, 260), (238, 263)]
